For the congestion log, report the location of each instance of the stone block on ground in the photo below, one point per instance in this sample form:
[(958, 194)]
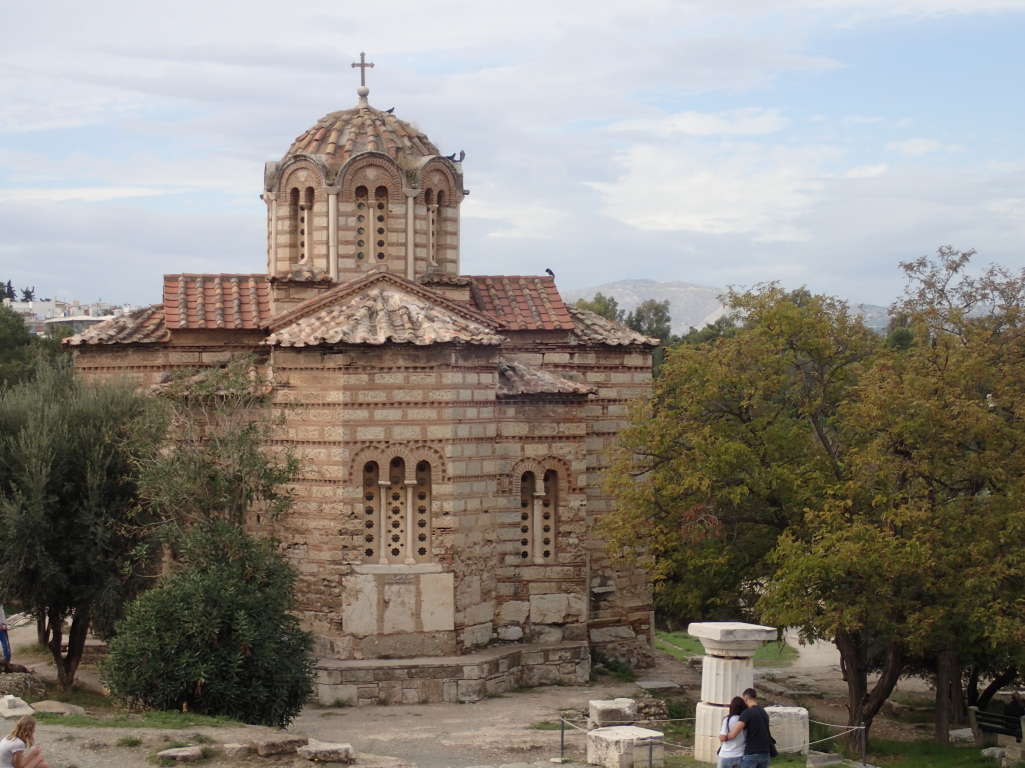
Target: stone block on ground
[(994, 753), (657, 685), (282, 745), (58, 708), (237, 750), (625, 746), (12, 706), (789, 726), (327, 752), (182, 754), (1015, 751), (962, 736), (819, 759), (604, 712)]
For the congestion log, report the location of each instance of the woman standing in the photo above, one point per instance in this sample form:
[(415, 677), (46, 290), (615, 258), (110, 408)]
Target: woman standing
[(16, 750), (731, 751)]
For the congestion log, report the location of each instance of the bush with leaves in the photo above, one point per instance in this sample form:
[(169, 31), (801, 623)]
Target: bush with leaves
[(216, 637)]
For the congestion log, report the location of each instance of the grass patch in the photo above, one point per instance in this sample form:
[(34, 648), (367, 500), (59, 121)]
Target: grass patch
[(169, 720), (682, 646), (82, 697), (523, 689), (129, 741), (33, 649), (924, 754), (545, 725)]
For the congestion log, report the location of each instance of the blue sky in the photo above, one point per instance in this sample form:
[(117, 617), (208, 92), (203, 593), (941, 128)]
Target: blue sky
[(815, 143)]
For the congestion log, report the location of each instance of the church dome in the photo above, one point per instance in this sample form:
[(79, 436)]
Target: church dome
[(341, 135)]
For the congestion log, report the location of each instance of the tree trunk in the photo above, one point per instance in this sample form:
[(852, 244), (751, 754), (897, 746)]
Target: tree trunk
[(43, 630), (67, 664), (948, 674), (863, 704), (1006, 677), (973, 687)]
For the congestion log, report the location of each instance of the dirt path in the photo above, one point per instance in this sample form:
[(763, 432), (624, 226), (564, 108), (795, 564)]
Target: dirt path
[(493, 732)]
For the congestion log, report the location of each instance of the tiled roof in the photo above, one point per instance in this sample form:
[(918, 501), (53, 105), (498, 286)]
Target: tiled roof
[(528, 303), (518, 379), (440, 278), (340, 135), (597, 330), (216, 301), (141, 326), (380, 314)]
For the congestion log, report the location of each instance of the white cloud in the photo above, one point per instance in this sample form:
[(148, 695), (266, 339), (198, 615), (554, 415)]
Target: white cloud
[(867, 171), (750, 121), (917, 147), (517, 220), (89, 194), (724, 189)]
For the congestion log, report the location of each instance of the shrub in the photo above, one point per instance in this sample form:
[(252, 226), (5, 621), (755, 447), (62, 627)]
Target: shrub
[(215, 637)]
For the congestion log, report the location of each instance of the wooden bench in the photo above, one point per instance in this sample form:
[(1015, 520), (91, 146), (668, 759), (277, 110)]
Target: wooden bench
[(987, 726)]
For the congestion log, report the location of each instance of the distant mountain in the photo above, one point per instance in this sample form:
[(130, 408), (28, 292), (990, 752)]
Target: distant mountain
[(690, 306)]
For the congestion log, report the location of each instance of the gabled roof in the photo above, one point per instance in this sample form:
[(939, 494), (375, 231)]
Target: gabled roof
[(518, 379), (377, 310), (386, 281), (140, 326), (521, 303), (216, 301), (594, 328)]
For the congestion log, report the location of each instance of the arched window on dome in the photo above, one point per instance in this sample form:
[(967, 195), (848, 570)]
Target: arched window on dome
[(295, 225), (380, 222), (432, 227), (306, 226), (362, 223), (436, 231)]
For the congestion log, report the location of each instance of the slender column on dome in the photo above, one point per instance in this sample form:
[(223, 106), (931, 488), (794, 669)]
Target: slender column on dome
[(410, 244), (332, 234)]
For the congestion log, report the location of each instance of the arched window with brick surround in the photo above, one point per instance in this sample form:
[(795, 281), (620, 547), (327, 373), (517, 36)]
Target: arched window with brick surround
[(422, 515), (371, 512), (539, 504), (397, 513)]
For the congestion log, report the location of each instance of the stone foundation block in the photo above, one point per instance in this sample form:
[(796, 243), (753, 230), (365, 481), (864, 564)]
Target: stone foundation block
[(625, 746), (182, 754), (606, 712), (706, 731), (280, 746), (817, 759), (237, 750), (327, 752), (789, 727)]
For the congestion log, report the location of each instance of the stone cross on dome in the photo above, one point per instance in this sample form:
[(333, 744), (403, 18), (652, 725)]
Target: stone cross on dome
[(363, 91)]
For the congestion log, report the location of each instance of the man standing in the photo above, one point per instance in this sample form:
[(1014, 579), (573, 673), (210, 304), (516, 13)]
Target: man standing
[(754, 721)]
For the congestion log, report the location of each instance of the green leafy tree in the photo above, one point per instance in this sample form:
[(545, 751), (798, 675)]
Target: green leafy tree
[(73, 546), (652, 319), (216, 636), (11, 293), (16, 358), (723, 327), (28, 294), (867, 495), (603, 305), (215, 464)]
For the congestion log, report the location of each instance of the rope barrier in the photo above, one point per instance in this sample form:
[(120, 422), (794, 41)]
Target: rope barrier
[(831, 725)]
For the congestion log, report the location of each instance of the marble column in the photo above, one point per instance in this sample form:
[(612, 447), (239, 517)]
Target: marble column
[(726, 671)]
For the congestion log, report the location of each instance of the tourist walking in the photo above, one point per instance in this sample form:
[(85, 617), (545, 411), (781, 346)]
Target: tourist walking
[(4, 639), (731, 751), (754, 723), (17, 750)]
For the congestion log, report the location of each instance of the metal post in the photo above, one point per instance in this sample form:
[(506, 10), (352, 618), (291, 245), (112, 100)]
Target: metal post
[(562, 740), (864, 745), (651, 747)]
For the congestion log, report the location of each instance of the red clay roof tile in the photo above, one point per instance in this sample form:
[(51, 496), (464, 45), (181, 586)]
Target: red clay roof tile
[(216, 301)]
